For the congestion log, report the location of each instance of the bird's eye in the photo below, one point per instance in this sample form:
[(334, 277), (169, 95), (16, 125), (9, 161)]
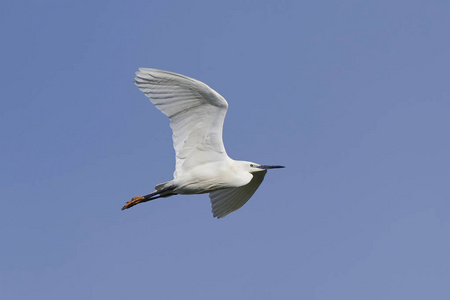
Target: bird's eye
[(251, 165)]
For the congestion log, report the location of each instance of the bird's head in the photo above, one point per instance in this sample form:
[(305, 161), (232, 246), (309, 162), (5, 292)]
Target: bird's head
[(254, 167)]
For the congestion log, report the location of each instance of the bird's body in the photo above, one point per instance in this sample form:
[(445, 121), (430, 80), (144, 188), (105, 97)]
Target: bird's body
[(210, 177), (196, 114)]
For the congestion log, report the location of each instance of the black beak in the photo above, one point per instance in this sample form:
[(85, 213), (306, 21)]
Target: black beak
[(265, 167)]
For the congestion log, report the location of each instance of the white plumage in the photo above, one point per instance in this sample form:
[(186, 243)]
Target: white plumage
[(196, 114)]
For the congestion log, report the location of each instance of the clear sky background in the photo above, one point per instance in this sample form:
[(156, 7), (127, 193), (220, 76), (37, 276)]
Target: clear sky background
[(353, 97)]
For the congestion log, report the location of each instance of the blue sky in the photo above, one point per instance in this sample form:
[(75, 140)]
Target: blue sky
[(353, 97)]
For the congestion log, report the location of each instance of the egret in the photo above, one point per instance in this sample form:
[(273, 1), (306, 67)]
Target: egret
[(196, 113)]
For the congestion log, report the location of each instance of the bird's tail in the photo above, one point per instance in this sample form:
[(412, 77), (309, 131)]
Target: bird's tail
[(161, 187), (165, 189)]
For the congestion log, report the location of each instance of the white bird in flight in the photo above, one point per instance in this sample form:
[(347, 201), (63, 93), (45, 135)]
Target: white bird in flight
[(196, 114)]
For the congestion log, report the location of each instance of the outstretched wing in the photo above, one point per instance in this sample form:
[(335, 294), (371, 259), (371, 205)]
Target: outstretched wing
[(196, 114), (228, 200)]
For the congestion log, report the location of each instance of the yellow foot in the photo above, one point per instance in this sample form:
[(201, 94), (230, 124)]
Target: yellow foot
[(133, 202)]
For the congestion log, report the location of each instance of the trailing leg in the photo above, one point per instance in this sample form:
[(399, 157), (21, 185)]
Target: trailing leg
[(165, 192)]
